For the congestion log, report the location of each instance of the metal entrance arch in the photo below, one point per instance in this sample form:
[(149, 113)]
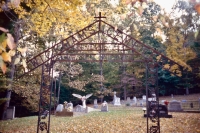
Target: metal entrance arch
[(102, 39)]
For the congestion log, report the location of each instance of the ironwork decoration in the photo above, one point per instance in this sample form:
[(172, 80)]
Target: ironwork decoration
[(101, 38), (45, 99)]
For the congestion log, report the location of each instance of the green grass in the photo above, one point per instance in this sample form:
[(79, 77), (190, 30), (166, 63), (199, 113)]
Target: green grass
[(117, 120)]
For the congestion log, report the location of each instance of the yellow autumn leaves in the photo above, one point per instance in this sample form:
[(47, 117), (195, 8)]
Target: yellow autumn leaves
[(8, 50), (5, 56), (118, 120)]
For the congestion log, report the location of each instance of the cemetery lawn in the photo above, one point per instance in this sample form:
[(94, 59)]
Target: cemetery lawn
[(124, 119)]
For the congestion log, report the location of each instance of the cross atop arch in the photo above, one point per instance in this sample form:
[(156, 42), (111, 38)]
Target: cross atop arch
[(99, 17)]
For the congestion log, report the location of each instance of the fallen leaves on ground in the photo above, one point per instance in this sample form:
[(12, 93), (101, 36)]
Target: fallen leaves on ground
[(117, 120)]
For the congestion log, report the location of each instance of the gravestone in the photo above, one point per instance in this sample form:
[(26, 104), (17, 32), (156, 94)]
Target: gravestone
[(79, 108), (69, 107), (144, 97), (116, 100), (95, 103), (174, 106), (128, 101), (10, 114), (89, 109), (65, 109), (59, 108), (104, 107), (190, 106), (143, 100), (163, 111), (134, 100)]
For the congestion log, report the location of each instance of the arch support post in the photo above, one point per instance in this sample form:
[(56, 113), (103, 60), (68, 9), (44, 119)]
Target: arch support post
[(46, 86), (152, 98)]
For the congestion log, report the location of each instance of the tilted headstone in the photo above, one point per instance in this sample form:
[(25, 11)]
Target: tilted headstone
[(59, 108), (128, 100), (174, 106), (89, 109), (95, 103), (104, 107), (79, 108)]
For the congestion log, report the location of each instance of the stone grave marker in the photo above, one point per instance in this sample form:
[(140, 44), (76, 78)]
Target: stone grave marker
[(95, 103), (10, 114), (116, 100), (163, 111), (134, 100), (174, 106), (104, 107), (128, 101), (59, 108)]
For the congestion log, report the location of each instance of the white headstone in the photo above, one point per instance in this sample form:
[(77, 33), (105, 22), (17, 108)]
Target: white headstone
[(70, 107), (80, 108), (128, 100), (116, 100), (59, 108), (134, 99), (104, 107), (144, 97), (95, 103)]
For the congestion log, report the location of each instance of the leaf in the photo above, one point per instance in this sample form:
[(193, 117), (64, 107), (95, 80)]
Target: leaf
[(2, 37), (155, 18), (196, 34), (4, 43), (123, 16), (10, 41), (197, 8), (140, 10), (22, 50), (3, 67), (3, 29), (15, 2), (166, 66), (12, 52), (158, 30), (24, 63), (6, 56), (115, 28), (17, 60), (135, 27), (158, 57), (128, 2)]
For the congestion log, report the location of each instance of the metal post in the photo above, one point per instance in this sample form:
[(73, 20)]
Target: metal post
[(59, 87), (40, 100), (55, 95), (157, 98), (147, 104), (51, 87)]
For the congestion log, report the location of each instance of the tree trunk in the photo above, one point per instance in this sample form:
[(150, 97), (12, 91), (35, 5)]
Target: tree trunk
[(12, 71), (124, 93), (8, 95), (187, 91)]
